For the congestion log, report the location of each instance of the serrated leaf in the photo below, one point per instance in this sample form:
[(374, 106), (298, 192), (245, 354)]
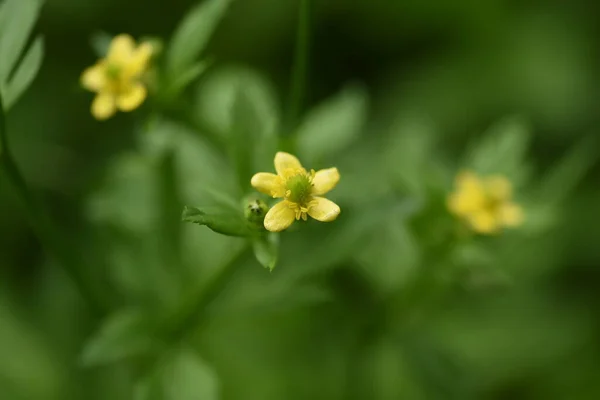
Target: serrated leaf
[(192, 35), (125, 334), (19, 17), (220, 220), (333, 125), (26, 72), (266, 250)]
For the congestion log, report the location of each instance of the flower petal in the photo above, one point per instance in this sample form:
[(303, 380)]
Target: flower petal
[(465, 202), (121, 50), (467, 180), (94, 78), (131, 99), (323, 210), (499, 188), (103, 106), (268, 183), (325, 180), (279, 217), (139, 60), (483, 222), (511, 215), (286, 161)]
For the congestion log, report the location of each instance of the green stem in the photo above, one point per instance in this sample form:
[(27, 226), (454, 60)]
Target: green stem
[(193, 308), (41, 224), (300, 67)]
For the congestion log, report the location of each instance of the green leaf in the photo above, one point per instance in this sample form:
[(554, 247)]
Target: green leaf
[(221, 220), (100, 42), (501, 150), (332, 126), (568, 172), (266, 249), (193, 34), (18, 18), (187, 77), (246, 125), (124, 334), (229, 97), (26, 72), (181, 375)]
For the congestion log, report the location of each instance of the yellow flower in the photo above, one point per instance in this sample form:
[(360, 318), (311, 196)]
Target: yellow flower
[(117, 78), (300, 190), (485, 204)]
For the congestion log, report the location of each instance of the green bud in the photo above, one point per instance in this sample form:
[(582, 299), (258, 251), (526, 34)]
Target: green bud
[(255, 211)]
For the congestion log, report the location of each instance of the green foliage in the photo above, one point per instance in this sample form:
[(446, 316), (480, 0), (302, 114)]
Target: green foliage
[(192, 36), (17, 19), (397, 298)]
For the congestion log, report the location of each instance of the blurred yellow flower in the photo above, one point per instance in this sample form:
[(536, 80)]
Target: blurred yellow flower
[(300, 190), (484, 203), (117, 78)]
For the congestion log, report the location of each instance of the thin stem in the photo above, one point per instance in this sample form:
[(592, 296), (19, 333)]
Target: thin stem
[(41, 224), (193, 308), (300, 67)]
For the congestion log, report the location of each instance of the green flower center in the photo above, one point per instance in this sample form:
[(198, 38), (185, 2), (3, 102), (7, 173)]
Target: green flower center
[(298, 188), (113, 72)]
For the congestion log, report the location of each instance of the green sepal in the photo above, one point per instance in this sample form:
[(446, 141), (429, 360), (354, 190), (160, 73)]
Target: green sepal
[(222, 220)]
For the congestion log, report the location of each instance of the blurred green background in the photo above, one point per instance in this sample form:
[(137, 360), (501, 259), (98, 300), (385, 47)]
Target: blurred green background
[(403, 94)]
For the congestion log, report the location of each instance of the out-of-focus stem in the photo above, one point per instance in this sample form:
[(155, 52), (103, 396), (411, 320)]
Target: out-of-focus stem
[(40, 222), (300, 66)]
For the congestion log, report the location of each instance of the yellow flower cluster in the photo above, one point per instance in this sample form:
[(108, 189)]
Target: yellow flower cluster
[(485, 204), (300, 190), (117, 79)]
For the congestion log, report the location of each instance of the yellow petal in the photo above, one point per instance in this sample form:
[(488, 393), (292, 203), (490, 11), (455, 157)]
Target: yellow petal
[(140, 58), (279, 217), (483, 222), (121, 50), (499, 188), (286, 161), (466, 202), (131, 99), (94, 78), (325, 180), (267, 183), (467, 180), (323, 210), (511, 214), (103, 106)]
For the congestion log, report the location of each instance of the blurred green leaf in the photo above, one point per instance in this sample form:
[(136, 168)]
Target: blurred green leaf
[(266, 250), (127, 333), (192, 35), (18, 19), (229, 97), (221, 220), (180, 375), (568, 172), (100, 42), (501, 150), (188, 76), (333, 125), (25, 73)]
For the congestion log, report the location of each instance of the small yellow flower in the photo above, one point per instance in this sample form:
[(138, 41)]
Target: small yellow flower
[(485, 204), (300, 191), (117, 79)]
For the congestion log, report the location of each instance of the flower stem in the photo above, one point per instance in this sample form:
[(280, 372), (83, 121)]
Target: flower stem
[(300, 66), (40, 222), (193, 308)]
